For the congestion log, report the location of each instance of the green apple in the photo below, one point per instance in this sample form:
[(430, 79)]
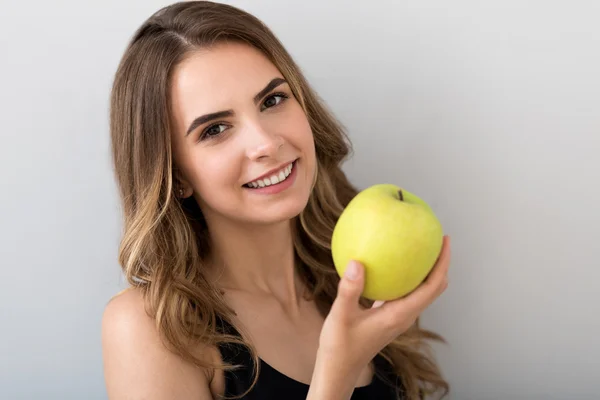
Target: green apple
[(394, 234)]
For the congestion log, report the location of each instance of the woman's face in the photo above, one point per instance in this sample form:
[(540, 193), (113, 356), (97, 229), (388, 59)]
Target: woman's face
[(241, 140)]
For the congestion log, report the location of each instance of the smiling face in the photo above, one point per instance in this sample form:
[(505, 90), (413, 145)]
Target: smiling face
[(241, 139)]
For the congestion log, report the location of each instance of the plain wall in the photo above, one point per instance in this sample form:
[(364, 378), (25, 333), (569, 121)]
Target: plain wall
[(490, 111)]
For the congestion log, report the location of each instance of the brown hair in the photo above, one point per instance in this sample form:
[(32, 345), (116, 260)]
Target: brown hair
[(165, 241)]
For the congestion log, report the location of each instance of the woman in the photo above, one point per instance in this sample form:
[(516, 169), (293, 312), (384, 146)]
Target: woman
[(228, 166)]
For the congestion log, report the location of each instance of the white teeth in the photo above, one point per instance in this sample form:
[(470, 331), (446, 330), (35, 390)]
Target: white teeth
[(273, 179)]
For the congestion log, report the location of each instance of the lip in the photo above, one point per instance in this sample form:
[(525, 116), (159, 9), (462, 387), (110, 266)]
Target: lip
[(271, 171), (277, 188)]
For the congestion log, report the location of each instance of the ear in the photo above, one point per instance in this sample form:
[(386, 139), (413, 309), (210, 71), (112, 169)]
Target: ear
[(181, 186), (183, 192)]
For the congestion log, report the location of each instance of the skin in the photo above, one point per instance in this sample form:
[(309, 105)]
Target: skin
[(253, 252), (250, 232)]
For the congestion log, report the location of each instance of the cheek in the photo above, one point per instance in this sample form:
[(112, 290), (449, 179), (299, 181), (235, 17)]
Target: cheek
[(301, 135), (307, 143), (214, 175)]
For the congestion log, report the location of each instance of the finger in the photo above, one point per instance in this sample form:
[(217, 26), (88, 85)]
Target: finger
[(350, 287), (442, 263), (378, 304), (419, 299)]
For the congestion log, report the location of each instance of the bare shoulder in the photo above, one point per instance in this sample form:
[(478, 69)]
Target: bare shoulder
[(136, 363)]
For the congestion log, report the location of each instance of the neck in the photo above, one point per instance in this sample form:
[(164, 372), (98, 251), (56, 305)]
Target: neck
[(258, 259)]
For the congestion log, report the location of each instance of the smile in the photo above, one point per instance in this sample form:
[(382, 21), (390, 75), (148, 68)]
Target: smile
[(275, 178)]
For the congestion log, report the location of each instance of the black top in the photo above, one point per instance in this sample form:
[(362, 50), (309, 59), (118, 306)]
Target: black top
[(274, 385)]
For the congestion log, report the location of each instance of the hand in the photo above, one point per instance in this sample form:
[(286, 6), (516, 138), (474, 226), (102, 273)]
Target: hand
[(353, 335)]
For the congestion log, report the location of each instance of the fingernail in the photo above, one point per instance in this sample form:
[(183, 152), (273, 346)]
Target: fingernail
[(351, 271)]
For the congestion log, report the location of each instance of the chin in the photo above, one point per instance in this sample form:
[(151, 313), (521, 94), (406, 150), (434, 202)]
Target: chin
[(281, 211), (266, 206)]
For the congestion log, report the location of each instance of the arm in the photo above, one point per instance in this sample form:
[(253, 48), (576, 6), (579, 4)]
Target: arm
[(329, 381), (136, 363), (352, 335)]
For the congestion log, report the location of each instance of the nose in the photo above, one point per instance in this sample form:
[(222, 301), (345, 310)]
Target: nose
[(261, 142)]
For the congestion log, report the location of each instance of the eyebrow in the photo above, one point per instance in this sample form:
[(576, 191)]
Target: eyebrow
[(229, 113)]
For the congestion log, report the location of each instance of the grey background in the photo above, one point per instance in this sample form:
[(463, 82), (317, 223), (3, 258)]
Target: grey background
[(488, 110)]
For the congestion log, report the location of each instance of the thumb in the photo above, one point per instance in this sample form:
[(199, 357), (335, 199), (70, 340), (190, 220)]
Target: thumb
[(351, 285)]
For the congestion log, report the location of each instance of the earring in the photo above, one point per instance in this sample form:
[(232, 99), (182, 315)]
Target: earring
[(181, 192)]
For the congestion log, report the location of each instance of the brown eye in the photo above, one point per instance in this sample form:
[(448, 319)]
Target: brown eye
[(274, 100), (214, 130)]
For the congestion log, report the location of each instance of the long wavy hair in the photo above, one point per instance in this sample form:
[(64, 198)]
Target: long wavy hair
[(165, 244)]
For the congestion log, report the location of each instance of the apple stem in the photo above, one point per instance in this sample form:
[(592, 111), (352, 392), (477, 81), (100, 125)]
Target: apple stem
[(400, 195)]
